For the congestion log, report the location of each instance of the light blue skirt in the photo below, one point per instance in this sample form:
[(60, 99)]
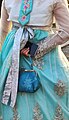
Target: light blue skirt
[(51, 100)]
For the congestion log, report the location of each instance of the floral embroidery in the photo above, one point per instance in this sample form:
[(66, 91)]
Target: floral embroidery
[(60, 88), (44, 47), (38, 63), (37, 113), (23, 18), (59, 113), (25, 10), (26, 6), (16, 116)]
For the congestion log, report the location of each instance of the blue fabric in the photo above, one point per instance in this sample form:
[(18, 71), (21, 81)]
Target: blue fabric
[(54, 67), (28, 82)]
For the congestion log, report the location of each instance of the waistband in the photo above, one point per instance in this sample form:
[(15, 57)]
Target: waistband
[(45, 28)]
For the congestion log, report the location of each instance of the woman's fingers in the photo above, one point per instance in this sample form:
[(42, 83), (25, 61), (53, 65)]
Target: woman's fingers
[(25, 51)]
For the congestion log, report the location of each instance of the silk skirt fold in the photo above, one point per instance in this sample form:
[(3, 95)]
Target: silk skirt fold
[(51, 100)]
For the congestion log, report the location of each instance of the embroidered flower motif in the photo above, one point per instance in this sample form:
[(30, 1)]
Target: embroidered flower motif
[(23, 18), (59, 113), (60, 88), (28, 5), (15, 114), (25, 10), (38, 63), (37, 113), (25, 1), (25, 7)]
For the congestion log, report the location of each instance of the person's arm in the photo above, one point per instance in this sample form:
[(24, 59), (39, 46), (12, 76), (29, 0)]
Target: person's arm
[(4, 25), (61, 14)]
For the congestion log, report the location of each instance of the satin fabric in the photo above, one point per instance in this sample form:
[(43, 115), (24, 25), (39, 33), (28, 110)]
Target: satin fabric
[(21, 37)]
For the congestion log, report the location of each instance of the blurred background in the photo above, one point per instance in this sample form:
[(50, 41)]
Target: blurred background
[(65, 47), (0, 6)]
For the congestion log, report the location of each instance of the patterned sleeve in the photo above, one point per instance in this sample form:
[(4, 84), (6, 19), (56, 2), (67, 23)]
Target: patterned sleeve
[(5, 25), (61, 14)]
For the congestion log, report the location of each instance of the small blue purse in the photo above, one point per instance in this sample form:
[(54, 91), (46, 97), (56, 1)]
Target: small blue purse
[(28, 81)]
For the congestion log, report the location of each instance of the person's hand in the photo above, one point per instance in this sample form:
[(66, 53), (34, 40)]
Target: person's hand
[(25, 51)]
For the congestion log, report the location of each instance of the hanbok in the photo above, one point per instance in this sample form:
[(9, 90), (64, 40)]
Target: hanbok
[(51, 100)]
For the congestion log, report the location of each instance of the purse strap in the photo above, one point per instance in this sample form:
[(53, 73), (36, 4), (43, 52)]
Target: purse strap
[(31, 66)]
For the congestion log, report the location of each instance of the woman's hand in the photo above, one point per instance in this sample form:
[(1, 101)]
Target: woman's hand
[(25, 51)]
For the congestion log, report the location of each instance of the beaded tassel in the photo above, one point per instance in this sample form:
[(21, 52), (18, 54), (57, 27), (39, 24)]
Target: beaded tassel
[(59, 113), (37, 113)]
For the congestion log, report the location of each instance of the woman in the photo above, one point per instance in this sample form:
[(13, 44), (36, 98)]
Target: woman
[(32, 21)]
